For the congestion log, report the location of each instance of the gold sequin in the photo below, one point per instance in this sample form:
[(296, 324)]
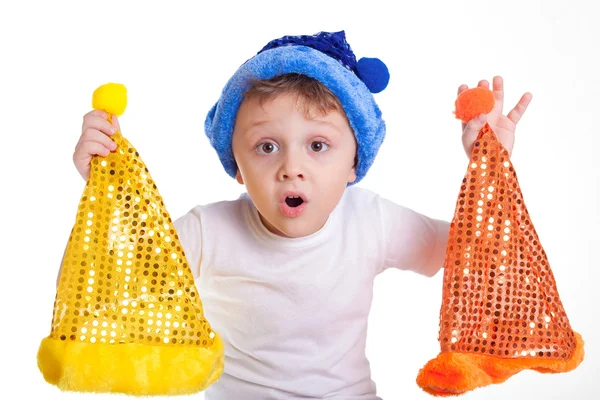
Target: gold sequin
[(125, 277)]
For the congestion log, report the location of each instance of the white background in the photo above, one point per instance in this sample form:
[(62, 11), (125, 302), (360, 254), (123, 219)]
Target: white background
[(175, 59)]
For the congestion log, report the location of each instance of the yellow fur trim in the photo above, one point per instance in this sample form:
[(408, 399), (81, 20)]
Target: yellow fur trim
[(452, 374), (133, 368)]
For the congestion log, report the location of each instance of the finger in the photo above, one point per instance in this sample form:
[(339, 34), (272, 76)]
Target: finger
[(93, 135), (498, 86), (115, 122), (483, 84), (97, 113), (461, 89), (472, 129), (86, 150), (100, 124), (516, 113)]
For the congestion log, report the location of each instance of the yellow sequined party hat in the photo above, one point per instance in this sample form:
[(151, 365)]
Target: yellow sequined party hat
[(127, 315)]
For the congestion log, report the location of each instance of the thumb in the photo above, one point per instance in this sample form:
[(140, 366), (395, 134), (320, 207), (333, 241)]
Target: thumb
[(471, 131)]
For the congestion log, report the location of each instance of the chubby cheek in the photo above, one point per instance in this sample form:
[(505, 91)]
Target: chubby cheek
[(260, 189), (330, 195), (255, 165), (333, 184), (335, 174)]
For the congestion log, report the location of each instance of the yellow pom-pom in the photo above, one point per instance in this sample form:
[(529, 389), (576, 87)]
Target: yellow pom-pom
[(110, 97)]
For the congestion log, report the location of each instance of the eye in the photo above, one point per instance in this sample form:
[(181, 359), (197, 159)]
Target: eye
[(266, 148), (318, 146)]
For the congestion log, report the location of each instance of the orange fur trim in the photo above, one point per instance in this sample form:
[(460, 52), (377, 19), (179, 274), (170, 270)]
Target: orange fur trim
[(452, 374)]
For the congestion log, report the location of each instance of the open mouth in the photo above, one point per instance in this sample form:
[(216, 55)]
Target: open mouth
[(293, 201)]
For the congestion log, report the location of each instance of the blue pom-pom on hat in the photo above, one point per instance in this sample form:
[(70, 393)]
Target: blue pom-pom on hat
[(374, 73)]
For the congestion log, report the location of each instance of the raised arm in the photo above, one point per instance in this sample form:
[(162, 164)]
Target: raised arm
[(413, 241)]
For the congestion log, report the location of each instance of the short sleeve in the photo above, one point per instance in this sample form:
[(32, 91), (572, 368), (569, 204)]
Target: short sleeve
[(189, 230), (413, 241)]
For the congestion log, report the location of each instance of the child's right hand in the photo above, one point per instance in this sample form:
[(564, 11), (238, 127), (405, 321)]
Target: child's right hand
[(95, 140)]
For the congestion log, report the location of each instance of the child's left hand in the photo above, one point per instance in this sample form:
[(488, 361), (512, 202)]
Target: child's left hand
[(503, 126)]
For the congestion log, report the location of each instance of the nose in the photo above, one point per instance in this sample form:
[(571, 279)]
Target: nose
[(291, 168)]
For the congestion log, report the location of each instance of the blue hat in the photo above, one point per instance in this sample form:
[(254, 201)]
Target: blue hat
[(326, 57)]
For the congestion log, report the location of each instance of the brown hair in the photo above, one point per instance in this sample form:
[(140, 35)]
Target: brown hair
[(310, 92)]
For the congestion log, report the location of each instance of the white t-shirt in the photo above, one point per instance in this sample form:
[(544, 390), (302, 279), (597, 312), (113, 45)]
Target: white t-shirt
[(292, 312)]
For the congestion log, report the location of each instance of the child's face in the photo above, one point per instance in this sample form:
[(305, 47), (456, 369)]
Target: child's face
[(280, 151)]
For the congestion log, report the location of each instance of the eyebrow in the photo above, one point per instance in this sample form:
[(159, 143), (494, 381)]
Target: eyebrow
[(331, 124), (254, 125), (258, 123)]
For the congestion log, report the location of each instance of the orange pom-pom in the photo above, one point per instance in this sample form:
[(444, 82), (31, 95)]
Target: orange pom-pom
[(473, 102)]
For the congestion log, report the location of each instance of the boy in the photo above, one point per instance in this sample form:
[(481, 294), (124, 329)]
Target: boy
[(286, 272)]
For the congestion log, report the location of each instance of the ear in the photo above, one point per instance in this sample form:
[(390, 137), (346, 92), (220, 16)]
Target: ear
[(238, 177), (352, 175)]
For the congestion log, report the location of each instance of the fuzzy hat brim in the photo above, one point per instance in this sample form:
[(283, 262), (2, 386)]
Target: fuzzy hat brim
[(356, 99)]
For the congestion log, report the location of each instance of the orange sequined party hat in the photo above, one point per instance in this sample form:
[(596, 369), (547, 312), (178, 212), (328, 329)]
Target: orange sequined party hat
[(501, 312), (127, 315)]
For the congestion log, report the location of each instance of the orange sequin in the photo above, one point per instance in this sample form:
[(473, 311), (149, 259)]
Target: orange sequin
[(499, 298)]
